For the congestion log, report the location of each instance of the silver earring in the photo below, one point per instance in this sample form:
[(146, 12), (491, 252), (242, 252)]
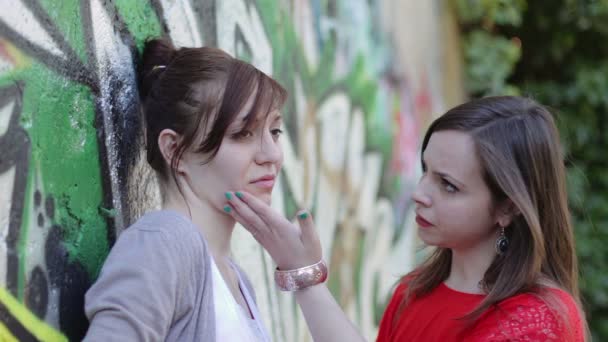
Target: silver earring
[(502, 243)]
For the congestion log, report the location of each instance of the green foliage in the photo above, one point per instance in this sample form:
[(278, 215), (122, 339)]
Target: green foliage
[(490, 12), (490, 61), (562, 63)]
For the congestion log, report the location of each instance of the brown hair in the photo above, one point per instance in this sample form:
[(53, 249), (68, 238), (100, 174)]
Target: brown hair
[(198, 92), (518, 146)]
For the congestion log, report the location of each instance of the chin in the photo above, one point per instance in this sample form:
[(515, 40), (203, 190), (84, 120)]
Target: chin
[(265, 197), (427, 240)]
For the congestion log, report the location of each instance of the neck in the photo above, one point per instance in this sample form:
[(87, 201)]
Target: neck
[(469, 266), (215, 225)]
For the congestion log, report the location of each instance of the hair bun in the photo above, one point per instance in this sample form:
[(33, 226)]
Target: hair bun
[(157, 54)]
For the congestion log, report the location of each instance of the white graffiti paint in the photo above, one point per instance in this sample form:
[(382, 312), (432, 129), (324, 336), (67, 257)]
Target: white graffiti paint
[(5, 117), (181, 22), (352, 23), (113, 60), (21, 20), (233, 15), (303, 23), (5, 66), (333, 116), (378, 243), (301, 173), (7, 182)]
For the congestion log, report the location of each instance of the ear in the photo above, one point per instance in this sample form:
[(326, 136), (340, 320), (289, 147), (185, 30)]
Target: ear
[(506, 213), (168, 141)]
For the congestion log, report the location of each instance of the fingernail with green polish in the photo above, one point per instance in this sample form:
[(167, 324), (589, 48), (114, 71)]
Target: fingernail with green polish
[(228, 196), (303, 216), (227, 209), (238, 194)]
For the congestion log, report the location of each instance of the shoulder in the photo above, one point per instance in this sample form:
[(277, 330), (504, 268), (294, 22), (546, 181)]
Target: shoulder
[(395, 301), (398, 294), (164, 227), (159, 240), (163, 221), (550, 315), (402, 288), (159, 251), (387, 323)]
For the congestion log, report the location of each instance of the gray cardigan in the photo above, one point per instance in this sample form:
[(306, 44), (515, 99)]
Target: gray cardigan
[(155, 284)]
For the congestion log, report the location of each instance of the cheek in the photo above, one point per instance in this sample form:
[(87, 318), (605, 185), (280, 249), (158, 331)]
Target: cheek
[(235, 171), (230, 165), (280, 161), (465, 211), (454, 213)]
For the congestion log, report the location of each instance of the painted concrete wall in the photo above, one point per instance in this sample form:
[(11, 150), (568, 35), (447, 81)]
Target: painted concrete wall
[(364, 77)]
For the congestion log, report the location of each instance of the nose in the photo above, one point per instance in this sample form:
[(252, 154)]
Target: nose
[(269, 150), (420, 196)]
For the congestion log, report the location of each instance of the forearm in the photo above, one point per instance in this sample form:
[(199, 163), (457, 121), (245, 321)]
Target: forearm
[(326, 320)]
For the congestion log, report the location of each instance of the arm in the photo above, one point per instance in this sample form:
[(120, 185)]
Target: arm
[(292, 247), (324, 317), (134, 298)]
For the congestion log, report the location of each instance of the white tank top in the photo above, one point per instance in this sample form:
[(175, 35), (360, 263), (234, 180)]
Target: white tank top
[(232, 321)]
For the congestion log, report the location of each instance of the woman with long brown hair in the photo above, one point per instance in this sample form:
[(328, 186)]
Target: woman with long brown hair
[(212, 122), (492, 201)]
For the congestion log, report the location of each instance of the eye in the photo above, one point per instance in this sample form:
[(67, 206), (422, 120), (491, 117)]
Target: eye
[(448, 187), (276, 132), (242, 134)]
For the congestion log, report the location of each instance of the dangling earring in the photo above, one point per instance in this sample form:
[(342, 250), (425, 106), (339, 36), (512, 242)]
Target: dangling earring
[(502, 243)]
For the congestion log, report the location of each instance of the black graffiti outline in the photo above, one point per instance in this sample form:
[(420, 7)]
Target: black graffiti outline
[(88, 76), (16, 153), (71, 67), (16, 328), (205, 25)]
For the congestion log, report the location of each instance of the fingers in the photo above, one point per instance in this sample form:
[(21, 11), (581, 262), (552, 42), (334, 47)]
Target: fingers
[(289, 245), (244, 215), (249, 227), (309, 236), (262, 210)]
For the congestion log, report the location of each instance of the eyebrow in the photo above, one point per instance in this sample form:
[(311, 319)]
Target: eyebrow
[(445, 175), (277, 117)]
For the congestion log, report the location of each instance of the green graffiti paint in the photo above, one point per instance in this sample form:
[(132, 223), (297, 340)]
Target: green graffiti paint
[(67, 16), (140, 19), (64, 149)]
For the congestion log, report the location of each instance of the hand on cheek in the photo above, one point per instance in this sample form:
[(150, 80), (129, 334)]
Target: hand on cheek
[(290, 245)]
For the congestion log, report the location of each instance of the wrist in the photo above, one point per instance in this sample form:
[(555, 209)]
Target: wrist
[(301, 278)]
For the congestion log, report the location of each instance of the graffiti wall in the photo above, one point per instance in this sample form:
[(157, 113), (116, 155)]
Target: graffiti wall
[(71, 171)]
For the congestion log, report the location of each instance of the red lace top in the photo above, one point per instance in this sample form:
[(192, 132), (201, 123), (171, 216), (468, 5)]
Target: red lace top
[(524, 317)]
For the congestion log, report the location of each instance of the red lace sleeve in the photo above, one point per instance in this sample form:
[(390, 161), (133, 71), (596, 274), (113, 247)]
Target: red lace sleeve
[(528, 318)]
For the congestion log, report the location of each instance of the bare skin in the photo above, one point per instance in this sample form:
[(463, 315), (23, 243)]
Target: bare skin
[(450, 196), (293, 246)]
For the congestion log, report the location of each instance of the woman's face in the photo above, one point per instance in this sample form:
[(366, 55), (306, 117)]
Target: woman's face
[(454, 207), (248, 160)]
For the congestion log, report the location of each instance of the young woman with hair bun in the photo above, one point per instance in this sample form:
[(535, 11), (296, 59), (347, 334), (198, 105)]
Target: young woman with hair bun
[(212, 123)]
